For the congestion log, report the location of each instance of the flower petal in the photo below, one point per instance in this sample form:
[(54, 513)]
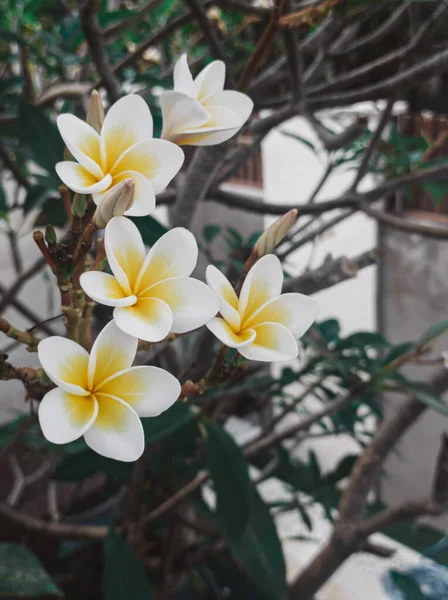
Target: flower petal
[(180, 113), (125, 252), (183, 80), (210, 80), (263, 282), (113, 351), (79, 180), (273, 342), (117, 431), (296, 312), (64, 417), (149, 390), (105, 289), (227, 336), (83, 142), (228, 300), (144, 197), (192, 303), (158, 160), (240, 104), (127, 122), (66, 364), (175, 254), (150, 319)]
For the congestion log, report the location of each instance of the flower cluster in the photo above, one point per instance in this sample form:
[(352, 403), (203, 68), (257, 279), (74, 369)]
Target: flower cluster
[(116, 160)]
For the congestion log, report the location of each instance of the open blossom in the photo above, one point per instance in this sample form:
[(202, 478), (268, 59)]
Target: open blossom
[(199, 111), (101, 396), (262, 323), (152, 293), (124, 149)]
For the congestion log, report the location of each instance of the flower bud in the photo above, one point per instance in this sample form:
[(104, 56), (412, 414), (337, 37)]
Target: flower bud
[(275, 233), (117, 200), (95, 112), (79, 205)]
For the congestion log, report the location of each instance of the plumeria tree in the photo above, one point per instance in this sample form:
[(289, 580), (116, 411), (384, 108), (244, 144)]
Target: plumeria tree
[(127, 431)]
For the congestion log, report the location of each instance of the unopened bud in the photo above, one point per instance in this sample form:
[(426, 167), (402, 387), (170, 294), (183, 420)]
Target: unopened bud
[(79, 205), (50, 235), (275, 233), (95, 111), (117, 200)]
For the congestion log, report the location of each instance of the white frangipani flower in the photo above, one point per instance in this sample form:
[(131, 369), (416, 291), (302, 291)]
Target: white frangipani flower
[(199, 111), (153, 294), (101, 396), (123, 150), (262, 323)]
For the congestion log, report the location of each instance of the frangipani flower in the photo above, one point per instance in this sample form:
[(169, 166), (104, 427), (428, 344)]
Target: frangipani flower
[(262, 323), (152, 293), (124, 149), (199, 111), (101, 396)]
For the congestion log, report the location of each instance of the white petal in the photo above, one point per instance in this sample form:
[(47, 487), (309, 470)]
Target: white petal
[(105, 289), (127, 122), (227, 336), (157, 160), (175, 254), (296, 312), (192, 303), (149, 390), (228, 300), (222, 125), (150, 319), (117, 431), (83, 142), (273, 342), (64, 417), (66, 364), (79, 180), (180, 113), (263, 282), (125, 251), (240, 104), (210, 80), (183, 80), (144, 197), (113, 351)]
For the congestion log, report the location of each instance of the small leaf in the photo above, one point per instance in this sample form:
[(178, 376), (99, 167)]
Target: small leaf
[(124, 575), (363, 339), (229, 473), (432, 333), (210, 232), (300, 139), (22, 575), (3, 204), (233, 238), (330, 330), (150, 229), (343, 469)]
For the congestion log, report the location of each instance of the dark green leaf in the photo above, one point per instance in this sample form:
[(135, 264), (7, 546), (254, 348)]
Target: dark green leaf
[(300, 139), (151, 230), (432, 333), (330, 330), (124, 576), (84, 463), (3, 203), (35, 197), (22, 575), (168, 422), (407, 586), (233, 238), (437, 190), (363, 339), (343, 469), (259, 551), (210, 232), (228, 470), (44, 139), (398, 351)]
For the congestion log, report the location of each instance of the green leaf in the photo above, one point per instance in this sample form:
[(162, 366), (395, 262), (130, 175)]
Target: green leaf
[(259, 551), (424, 395), (150, 229), (398, 351), (300, 139), (228, 471), (330, 330), (437, 190), (43, 136), (432, 333), (210, 232), (177, 416), (22, 575), (3, 203), (363, 339), (343, 469), (124, 575), (85, 463), (233, 238), (35, 198), (407, 586)]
